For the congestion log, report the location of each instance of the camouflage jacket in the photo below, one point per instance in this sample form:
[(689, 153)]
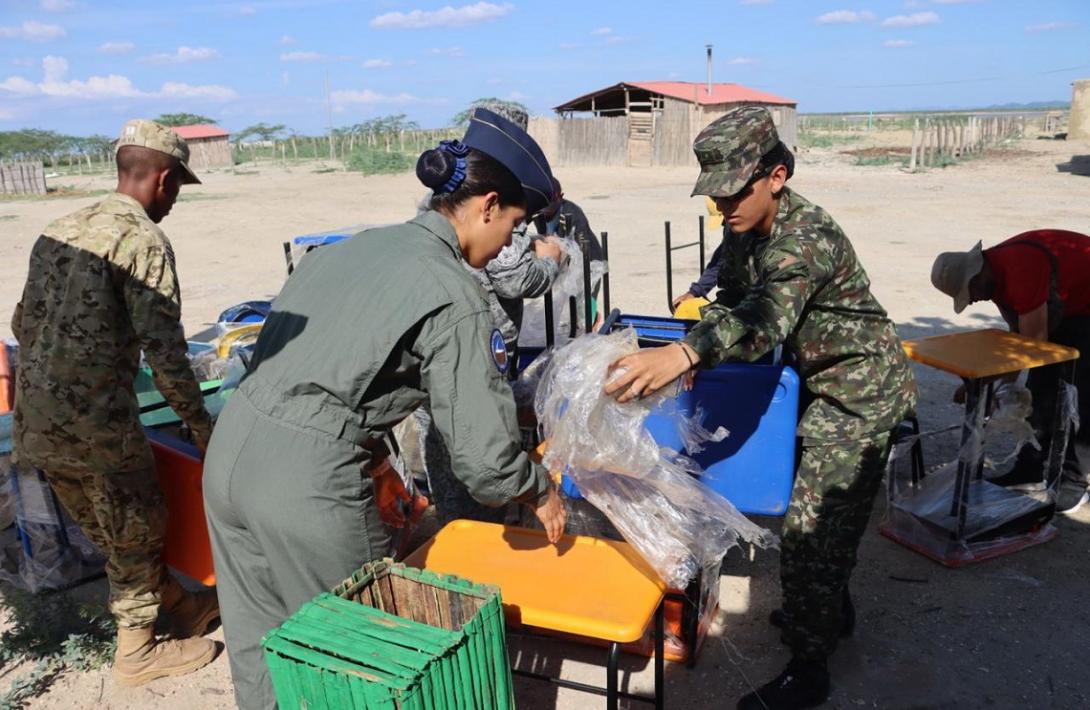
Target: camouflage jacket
[(101, 287), (515, 274), (803, 287)]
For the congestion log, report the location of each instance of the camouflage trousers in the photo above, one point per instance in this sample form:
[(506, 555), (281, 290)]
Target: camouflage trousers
[(124, 515), (449, 495), (830, 505)]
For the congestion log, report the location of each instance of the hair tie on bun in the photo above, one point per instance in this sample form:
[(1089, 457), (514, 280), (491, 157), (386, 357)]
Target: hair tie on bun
[(459, 152)]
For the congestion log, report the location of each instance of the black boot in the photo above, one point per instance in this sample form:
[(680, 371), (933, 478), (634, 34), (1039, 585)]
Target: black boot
[(778, 618), (803, 684)]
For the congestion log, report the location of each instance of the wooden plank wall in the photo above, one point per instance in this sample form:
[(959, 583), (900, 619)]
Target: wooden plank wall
[(207, 153), (590, 141), (672, 143), (22, 178)]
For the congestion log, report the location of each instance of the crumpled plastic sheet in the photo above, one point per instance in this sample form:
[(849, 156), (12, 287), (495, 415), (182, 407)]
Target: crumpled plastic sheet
[(920, 515), (650, 494), (569, 282), (45, 550)]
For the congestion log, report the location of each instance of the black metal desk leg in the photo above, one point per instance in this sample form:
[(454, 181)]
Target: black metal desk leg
[(660, 652), (611, 677)]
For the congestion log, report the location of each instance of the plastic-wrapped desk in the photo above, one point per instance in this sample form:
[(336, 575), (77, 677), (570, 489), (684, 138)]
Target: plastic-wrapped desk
[(981, 358)]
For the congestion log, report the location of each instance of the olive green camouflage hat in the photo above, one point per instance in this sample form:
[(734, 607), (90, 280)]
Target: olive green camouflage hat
[(730, 148), (149, 134)]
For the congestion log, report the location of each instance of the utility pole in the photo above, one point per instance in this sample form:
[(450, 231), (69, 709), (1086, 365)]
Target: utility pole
[(709, 48)]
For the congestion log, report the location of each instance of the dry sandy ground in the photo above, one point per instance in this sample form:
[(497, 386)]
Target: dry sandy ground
[(1007, 633)]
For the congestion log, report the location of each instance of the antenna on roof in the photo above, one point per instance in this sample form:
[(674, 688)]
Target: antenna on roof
[(709, 48)]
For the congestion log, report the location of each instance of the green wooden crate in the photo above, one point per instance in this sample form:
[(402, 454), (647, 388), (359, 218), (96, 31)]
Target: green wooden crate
[(395, 637)]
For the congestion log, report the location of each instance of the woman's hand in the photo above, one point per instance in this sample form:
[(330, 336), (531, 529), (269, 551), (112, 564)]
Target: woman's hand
[(550, 511), (649, 370)]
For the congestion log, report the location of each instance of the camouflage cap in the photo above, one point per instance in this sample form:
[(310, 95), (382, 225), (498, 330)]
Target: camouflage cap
[(149, 134), (730, 148), (510, 110)]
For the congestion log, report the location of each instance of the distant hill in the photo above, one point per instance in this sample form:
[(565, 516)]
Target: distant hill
[(1013, 106), (1031, 106)]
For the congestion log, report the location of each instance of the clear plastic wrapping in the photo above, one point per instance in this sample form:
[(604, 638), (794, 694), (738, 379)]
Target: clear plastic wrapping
[(994, 520), (44, 549), (650, 494), (568, 284)]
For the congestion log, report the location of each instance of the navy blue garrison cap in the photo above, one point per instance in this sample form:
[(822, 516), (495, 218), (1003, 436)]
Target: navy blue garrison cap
[(501, 139)]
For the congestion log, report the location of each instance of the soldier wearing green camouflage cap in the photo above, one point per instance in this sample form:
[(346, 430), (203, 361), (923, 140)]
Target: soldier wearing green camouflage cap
[(790, 277), (101, 288)]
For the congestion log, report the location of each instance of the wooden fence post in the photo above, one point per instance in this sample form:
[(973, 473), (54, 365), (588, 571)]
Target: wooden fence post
[(915, 144)]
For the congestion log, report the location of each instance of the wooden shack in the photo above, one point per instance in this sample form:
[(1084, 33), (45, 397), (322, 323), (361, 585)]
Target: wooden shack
[(209, 146), (650, 123)]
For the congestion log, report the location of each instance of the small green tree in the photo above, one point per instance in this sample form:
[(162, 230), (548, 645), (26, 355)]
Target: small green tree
[(263, 131), (183, 119)]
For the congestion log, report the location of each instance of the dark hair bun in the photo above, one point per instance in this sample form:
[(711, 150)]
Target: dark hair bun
[(435, 167)]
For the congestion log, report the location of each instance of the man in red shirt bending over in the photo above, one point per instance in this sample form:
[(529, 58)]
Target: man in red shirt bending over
[(1040, 280)]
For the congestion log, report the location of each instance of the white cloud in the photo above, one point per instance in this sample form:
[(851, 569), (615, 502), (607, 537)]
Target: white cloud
[(914, 20), (739, 61), (601, 31), (6, 115), (116, 47), (287, 41), (444, 17), (845, 17), (303, 57), (56, 84), (377, 64), (349, 96), (616, 39), (24, 61), (33, 31), (897, 43), (247, 10), (454, 51), (956, 2), (1049, 27), (569, 45), (212, 92), (57, 5), (755, 2), (184, 55), (517, 96)]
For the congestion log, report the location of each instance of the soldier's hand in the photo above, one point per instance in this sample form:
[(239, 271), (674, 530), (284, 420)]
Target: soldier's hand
[(550, 511), (547, 248), (678, 300), (649, 370)]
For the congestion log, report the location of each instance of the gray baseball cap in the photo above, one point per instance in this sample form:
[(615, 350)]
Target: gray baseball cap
[(149, 134)]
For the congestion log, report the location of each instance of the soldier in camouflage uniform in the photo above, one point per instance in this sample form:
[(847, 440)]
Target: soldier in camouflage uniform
[(102, 287), (791, 277), (525, 268)]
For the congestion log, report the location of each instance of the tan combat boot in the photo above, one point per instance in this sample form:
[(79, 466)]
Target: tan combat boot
[(141, 659), (191, 613)]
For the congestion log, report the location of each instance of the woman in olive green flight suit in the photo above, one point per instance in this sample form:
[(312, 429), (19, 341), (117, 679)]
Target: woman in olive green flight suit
[(363, 333)]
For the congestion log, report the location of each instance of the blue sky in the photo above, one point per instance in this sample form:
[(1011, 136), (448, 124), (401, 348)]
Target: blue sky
[(84, 66)]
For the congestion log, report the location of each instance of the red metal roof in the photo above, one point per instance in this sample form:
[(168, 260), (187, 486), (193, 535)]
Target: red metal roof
[(693, 92), (201, 130), (721, 93)]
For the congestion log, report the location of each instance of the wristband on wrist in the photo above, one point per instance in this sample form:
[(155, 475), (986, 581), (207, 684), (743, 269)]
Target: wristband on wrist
[(687, 356)]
